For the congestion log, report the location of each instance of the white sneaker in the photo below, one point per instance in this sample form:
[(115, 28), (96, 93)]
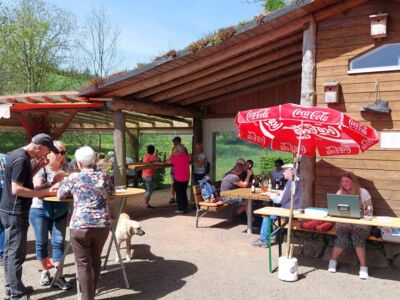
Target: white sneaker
[(332, 266), (45, 278), (364, 273)]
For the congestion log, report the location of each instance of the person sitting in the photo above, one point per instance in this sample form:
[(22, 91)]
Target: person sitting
[(283, 198), (232, 181), (90, 221), (101, 162), (277, 173), (199, 163), (347, 234)]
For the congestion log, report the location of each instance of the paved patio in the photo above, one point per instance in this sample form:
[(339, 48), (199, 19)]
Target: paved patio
[(174, 260)]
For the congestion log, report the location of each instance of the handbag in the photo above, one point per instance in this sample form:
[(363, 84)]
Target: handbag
[(54, 210)]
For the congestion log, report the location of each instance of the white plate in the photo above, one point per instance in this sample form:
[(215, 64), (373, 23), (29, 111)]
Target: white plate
[(384, 219)]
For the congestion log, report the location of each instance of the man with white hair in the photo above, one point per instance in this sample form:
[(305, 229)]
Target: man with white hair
[(281, 198), (15, 203)]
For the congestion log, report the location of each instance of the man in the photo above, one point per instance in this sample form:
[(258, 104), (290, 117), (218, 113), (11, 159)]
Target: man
[(176, 141), (282, 198), (14, 208), (3, 160)]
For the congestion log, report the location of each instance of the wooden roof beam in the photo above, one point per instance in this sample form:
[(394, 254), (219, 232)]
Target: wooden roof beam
[(144, 117), (248, 66), (267, 76), (250, 55), (154, 108), (177, 119), (334, 9), (214, 58), (261, 71), (246, 91)]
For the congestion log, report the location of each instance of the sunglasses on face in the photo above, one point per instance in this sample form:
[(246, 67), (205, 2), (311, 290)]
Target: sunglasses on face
[(62, 152)]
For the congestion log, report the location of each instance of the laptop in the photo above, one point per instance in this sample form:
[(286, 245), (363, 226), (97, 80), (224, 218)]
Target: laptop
[(345, 206)]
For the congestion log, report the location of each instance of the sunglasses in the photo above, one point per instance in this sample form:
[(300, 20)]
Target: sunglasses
[(62, 152)]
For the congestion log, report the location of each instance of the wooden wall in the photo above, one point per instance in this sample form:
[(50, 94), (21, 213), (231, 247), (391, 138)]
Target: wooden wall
[(288, 92), (339, 39)]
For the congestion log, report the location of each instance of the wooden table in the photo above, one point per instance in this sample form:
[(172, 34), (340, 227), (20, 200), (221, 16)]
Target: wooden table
[(284, 212), (120, 199), (246, 194), (142, 166)]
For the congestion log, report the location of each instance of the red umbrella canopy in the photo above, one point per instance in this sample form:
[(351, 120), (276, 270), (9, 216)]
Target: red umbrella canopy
[(328, 130)]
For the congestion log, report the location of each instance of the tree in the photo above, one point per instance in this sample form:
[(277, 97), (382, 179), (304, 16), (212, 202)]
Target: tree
[(99, 43), (272, 5), (38, 35)]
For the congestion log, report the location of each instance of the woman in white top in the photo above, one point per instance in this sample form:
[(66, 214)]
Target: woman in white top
[(349, 234)]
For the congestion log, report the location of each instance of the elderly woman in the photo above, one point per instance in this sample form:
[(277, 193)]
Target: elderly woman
[(232, 181), (89, 226), (348, 234), (180, 161), (47, 217), (199, 163)]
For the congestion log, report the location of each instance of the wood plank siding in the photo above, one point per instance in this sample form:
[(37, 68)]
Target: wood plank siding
[(340, 38)]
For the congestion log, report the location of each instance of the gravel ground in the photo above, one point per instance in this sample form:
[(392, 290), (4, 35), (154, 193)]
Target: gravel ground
[(174, 260)]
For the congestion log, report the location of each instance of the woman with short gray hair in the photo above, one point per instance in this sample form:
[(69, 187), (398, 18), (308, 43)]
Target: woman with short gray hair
[(89, 226)]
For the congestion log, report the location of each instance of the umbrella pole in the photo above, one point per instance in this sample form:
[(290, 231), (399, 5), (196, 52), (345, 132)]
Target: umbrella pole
[(289, 248)]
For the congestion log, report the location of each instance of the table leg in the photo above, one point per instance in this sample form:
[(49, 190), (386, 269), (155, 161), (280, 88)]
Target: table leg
[(61, 263), (119, 204), (249, 216)]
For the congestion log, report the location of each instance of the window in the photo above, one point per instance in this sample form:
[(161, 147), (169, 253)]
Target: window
[(384, 58)]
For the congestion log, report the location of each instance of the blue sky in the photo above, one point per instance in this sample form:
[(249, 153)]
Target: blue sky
[(152, 27)]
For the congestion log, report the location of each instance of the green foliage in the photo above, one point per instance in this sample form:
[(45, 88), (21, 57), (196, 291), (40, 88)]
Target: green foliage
[(272, 5), (267, 162), (11, 141), (159, 180)]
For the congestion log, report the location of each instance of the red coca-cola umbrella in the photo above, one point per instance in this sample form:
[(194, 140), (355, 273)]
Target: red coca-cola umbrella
[(303, 129), (283, 127)]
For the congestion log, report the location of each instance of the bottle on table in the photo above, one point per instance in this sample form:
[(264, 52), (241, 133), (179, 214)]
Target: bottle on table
[(253, 186), (269, 185)]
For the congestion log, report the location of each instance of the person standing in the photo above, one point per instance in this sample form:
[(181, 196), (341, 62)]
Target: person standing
[(47, 217), (15, 203), (199, 163), (148, 175), (90, 221), (176, 141), (3, 160), (180, 161)]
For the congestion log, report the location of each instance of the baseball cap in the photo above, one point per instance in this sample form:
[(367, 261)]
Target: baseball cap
[(287, 166), (177, 139), (45, 140)]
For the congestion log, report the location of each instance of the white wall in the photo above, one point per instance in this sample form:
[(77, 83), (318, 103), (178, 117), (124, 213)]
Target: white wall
[(215, 125)]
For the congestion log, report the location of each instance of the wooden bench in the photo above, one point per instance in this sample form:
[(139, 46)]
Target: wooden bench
[(203, 207)]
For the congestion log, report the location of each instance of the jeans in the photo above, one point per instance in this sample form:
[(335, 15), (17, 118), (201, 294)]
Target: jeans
[(87, 245), (198, 177), (41, 227), (264, 231), (15, 238), (181, 196), (149, 187)]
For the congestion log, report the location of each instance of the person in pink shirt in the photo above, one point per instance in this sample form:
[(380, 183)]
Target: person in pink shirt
[(180, 161), (148, 175)]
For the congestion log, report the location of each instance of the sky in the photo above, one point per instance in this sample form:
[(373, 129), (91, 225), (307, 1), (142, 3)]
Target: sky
[(149, 28)]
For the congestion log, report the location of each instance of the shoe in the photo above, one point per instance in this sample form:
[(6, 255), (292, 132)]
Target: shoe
[(150, 206), (172, 200), (28, 290), (45, 278), (259, 243), (62, 284), (179, 212), (380, 106), (332, 266), (364, 273)]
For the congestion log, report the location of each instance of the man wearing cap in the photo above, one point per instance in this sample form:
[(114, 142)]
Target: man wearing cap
[(15, 203), (282, 198)]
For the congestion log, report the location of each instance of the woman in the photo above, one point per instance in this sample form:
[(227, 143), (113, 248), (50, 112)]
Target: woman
[(148, 175), (232, 181), (89, 225), (199, 163), (348, 234), (48, 217), (180, 161)]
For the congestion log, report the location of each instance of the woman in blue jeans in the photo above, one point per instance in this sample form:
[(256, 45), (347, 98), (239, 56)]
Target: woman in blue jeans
[(46, 219)]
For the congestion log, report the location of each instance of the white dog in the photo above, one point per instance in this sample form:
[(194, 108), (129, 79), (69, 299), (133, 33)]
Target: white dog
[(125, 230)]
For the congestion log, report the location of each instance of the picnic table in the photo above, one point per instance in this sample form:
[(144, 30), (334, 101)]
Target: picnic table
[(120, 199), (154, 165), (246, 194)]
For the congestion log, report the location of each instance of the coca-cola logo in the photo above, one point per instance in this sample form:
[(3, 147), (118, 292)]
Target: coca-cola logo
[(366, 143), (316, 115), (253, 137), (307, 130), (255, 115), (337, 150), (287, 147), (358, 126), (272, 124)]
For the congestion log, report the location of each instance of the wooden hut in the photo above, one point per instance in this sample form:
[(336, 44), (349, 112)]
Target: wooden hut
[(314, 52)]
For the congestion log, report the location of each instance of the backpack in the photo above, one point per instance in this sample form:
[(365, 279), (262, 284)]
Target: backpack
[(207, 190)]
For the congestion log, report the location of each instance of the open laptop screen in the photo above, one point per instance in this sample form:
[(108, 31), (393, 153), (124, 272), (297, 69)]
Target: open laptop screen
[(345, 206)]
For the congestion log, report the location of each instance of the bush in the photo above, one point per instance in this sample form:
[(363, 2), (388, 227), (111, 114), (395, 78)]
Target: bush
[(267, 162)]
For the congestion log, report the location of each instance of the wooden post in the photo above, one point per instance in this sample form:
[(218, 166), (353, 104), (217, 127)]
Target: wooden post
[(197, 138), (119, 167), (307, 164)]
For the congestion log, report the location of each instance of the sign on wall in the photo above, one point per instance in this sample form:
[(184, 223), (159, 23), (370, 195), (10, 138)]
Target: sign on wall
[(390, 140)]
